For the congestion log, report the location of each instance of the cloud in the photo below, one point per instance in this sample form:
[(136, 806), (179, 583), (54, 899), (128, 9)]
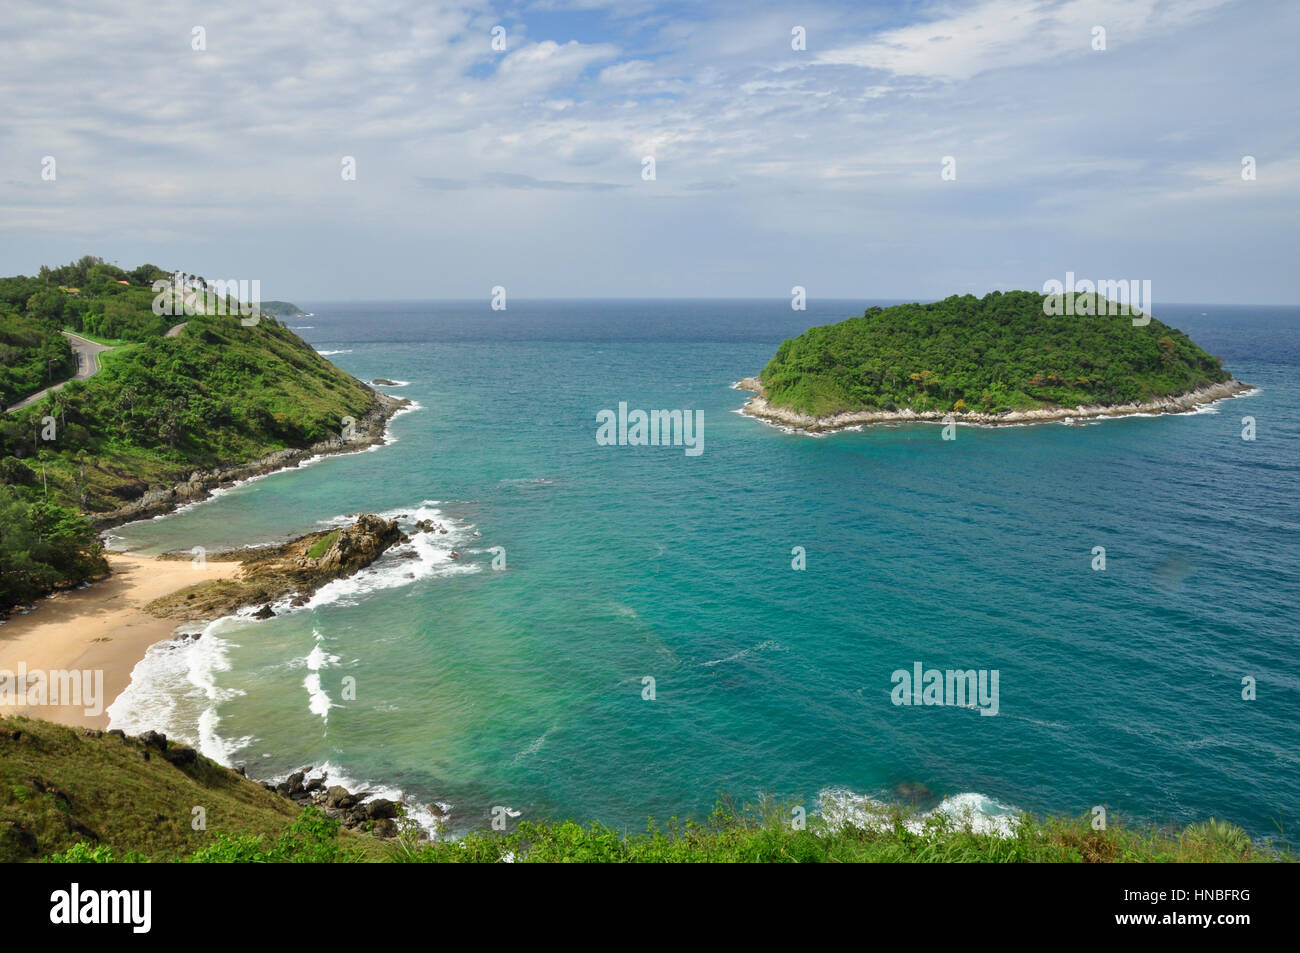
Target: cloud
[(823, 163), (1002, 34), (515, 180)]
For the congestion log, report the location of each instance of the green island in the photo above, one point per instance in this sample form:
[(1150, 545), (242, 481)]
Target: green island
[(1000, 358), (162, 402), (77, 795), (282, 309)]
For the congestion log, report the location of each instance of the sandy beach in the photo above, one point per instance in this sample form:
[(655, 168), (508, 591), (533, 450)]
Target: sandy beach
[(101, 628)]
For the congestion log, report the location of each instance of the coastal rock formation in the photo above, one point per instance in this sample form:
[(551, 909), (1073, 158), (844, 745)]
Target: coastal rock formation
[(760, 408), (352, 548), (295, 569), (355, 810)]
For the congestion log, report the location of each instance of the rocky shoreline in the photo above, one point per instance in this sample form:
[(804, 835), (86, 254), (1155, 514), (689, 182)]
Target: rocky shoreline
[(295, 570), (355, 810), (358, 811), (759, 408), (368, 431)]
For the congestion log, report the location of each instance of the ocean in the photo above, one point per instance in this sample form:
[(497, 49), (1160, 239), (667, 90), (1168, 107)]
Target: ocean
[(645, 644)]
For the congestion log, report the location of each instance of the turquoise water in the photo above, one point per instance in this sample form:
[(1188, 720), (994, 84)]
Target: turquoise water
[(524, 687)]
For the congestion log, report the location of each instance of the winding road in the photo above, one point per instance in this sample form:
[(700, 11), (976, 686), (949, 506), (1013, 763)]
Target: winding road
[(88, 365)]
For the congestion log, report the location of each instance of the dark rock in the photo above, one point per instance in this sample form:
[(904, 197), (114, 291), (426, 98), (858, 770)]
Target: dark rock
[(75, 826), (913, 792), (26, 840), (380, 807), (182, 756), (154, 739), (339, 797), (266, 612), (118, 732)]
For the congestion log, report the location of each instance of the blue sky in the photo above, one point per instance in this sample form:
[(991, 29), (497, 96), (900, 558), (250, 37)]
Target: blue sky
[(774, 167)]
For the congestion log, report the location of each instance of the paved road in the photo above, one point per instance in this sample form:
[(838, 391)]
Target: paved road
[(87, 366)]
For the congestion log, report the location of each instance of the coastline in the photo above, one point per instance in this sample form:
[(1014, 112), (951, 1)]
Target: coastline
[(102, 627), (370, 430), (759, 408)]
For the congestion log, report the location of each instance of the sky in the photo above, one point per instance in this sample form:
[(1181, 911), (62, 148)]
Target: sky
[(910, 150)]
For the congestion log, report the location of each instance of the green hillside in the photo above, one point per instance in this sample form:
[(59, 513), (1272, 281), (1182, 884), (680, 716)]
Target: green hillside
[(68, 788), (990, 354), (219, 392), (72, 794), (32, 353)]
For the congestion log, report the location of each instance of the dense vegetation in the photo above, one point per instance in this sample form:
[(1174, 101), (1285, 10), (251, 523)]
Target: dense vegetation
[(88, 296), (68, 794), (32, 351), (160, 408), (989, 355)]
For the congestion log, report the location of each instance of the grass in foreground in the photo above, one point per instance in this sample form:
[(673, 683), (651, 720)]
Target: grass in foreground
[(764, 835), (68, 795)]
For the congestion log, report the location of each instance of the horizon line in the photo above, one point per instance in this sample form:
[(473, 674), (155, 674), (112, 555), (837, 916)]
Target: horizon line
[(908, 300)]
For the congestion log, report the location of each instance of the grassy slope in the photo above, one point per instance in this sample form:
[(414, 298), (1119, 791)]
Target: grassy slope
[(218, 393), (992, 354), (60, 787)]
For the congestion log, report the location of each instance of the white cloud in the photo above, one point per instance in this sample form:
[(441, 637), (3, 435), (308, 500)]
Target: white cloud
[(1000, 34)]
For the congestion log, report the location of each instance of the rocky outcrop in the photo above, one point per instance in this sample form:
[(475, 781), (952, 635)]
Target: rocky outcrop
[(367, 431), (759, 407), (293, 570), (359, 810), (351, 548)]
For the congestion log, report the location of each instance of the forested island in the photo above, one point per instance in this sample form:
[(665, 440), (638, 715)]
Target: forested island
[(174, 405), (283, 309), (1000, 358)]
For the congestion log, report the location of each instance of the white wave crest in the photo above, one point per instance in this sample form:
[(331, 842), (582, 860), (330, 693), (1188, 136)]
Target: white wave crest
[(967, 811)]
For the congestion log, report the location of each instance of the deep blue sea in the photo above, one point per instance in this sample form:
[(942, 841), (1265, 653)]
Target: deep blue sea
[(524, 686)]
